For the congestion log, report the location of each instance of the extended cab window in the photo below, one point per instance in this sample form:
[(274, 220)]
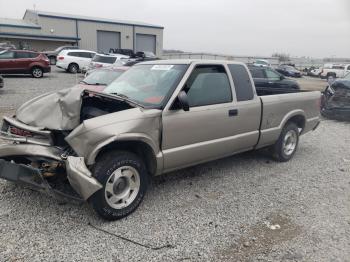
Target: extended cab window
[(208, 85), (243, 85)]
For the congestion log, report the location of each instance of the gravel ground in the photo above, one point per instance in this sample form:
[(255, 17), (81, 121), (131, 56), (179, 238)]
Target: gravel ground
[(242, 208)]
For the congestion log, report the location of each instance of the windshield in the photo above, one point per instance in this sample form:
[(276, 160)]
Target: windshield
[(104, 59), (347, 77), (147, 85), (101, 77)]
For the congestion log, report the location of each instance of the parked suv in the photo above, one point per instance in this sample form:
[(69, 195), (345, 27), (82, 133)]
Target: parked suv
[(24, 62), (52, 55), (106, 60), (74, 60)]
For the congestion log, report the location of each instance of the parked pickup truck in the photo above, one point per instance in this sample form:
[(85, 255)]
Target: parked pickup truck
[(334, 71), (157, 117)]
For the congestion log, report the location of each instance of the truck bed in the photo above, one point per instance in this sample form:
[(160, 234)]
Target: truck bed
[(277, 109)]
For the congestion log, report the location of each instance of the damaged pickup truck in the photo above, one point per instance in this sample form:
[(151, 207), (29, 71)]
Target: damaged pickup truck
[(336, 100), (157, 117)]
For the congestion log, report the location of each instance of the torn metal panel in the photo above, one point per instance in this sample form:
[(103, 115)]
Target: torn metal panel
[(80, 177), (19, 173), (336, 104), (57, 111), (8, 150), (88, 138)]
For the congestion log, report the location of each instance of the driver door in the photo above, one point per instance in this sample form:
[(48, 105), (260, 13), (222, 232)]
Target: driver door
[(210, 129)]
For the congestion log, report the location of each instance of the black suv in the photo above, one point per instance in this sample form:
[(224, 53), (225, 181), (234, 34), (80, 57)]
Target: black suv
[(266, 78)]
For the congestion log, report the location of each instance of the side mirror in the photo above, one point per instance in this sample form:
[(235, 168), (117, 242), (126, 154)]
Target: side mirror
[(183, 100), (282, 77)]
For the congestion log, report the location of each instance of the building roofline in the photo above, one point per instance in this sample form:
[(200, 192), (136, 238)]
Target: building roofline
[(90, 19), (21, 26), (35, 36)]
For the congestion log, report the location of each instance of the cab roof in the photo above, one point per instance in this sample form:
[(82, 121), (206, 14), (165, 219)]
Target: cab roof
[(188, 62)]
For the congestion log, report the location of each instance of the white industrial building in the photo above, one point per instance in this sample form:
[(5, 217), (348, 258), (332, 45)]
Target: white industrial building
[(41, 31)]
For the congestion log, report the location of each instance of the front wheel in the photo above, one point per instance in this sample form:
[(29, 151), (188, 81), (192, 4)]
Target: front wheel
[(287, 143), (124, 179)]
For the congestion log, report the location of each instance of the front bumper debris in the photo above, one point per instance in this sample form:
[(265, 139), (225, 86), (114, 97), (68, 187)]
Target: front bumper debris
[(23, 174), (80, 177), (78, 174)]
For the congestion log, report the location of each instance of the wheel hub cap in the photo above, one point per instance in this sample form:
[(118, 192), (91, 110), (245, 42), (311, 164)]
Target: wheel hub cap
[(122, 187), (290, 142)]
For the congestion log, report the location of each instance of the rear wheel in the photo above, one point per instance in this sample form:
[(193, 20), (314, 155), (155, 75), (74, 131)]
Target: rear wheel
[(37, 72), (287, 143), (124, 179), (73, 68)]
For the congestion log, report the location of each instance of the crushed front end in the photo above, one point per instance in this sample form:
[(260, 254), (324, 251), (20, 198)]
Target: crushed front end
[(38, 158)]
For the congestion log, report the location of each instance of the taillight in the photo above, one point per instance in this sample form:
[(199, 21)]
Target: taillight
[(60, 57)]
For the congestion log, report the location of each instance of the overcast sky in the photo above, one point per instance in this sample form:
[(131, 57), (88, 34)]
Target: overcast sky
[(317, 28)]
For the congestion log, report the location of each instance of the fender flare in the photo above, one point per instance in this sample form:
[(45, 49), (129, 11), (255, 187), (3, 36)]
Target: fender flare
[(90, 159)]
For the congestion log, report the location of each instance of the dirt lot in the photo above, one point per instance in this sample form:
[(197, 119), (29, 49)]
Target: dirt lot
[(241, 208)]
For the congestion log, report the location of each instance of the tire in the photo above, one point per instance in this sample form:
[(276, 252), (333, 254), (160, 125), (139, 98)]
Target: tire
[(52, 60), (124, 178), (37, 72), (287, 144), (73, 68)]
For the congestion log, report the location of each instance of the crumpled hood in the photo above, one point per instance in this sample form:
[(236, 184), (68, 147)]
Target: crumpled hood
[(56, 111)]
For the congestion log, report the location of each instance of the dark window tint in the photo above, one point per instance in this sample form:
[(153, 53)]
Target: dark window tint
[(76, 54), (86, 54), (20, 55), (104, 59), (7, 55), (257, 72), (243, 85), (208, 85), (338, 67), (81, 54)]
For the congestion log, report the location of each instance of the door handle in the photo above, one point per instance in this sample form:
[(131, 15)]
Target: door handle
[(232, 112)]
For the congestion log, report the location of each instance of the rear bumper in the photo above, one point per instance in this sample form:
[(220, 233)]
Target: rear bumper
[(78, 174)]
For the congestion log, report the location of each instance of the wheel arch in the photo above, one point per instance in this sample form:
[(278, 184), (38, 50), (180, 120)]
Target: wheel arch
[(139, 147), (299, 120)]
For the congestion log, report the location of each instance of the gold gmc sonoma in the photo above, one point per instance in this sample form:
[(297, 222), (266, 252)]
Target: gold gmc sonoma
[(157, 117)]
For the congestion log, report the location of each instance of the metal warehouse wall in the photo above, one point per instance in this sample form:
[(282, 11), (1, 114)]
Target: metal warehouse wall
[(88, 34), (61, 27)]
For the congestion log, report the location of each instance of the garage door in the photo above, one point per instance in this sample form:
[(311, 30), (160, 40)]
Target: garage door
[(146, 43), (107, 40)]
